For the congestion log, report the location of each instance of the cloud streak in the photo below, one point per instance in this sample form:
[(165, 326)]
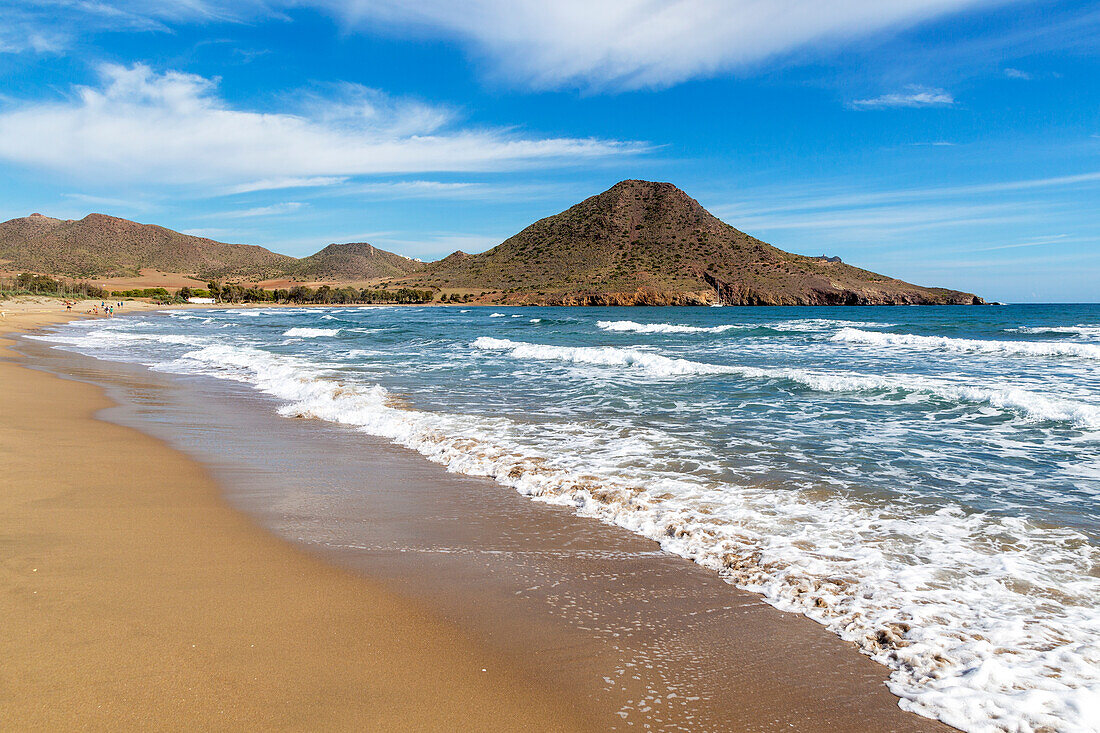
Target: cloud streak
[(612, 44), (911, 96), (281, 209), (139, 125), (632, 44)]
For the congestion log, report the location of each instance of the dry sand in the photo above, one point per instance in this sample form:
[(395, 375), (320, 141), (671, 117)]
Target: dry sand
[(133, 597)]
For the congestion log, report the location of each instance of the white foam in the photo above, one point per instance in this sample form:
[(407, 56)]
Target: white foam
[(1082, 330), (1016, 399), (498, 315), (990, 624), (634, 327), (311, 332), (536, 320), (945, 343), (820, 324), (107, 337)]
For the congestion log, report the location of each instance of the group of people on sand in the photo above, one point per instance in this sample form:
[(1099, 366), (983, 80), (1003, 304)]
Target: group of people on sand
[(107, 310)]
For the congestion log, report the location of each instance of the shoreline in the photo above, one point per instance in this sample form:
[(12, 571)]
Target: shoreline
[(142, 600), (757, 651)]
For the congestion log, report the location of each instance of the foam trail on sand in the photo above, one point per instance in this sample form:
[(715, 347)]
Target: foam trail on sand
[(949, 626), (935, 502)]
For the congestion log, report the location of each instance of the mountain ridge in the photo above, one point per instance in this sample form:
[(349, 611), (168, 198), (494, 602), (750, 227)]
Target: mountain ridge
[(649, 243), (107, 246), (637, 243)]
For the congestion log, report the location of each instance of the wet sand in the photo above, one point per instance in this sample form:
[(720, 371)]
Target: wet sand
[(134, 597), (630, 637)]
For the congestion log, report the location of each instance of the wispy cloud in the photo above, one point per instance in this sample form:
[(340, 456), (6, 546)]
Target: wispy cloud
[(1053, 239), (631, 44), (612, 44), (814, 200), (911, 96), (51, 26), (1017, 74), (134, 203), (269, 184), (894, 218), (287, 207), (143, 126)]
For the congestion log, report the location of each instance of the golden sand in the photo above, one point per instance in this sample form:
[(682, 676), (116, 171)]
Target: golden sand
[(133, 597)]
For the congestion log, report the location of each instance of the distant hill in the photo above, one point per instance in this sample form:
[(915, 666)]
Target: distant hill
[(103, 246), (638, 243), (106, 246), (642, 242), (352, 261)]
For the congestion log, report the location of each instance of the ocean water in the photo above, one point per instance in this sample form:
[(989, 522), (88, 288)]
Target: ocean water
[(925, 482)]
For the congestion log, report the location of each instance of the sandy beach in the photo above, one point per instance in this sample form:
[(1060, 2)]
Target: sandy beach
[(142, 598), (135, 598)]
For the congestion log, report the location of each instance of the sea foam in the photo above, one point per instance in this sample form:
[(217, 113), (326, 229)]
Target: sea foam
[(1081, 330), (987, 623), (945, 343), (1016, 399), (634, 327), (311, 332)]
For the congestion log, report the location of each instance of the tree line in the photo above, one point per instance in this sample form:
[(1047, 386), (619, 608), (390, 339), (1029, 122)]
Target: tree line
[(325, 294), (30, 284)]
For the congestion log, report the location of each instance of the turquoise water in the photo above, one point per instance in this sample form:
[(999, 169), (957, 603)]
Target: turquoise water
[(923, 481)]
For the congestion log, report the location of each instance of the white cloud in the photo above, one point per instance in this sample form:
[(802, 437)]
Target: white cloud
[(269, 184), (629, 44), (1017, 74), (51, 26), (782, 199), (892, 218), (287, 207), (610, 44), (912, 96), (173, 128), (135, 203)]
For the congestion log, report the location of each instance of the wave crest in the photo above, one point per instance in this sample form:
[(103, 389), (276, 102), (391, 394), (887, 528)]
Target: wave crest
[(311, 332), (1018, 400), (946, 343)]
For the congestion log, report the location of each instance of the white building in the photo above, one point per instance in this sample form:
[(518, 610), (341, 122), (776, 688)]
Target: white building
[(201, 301)]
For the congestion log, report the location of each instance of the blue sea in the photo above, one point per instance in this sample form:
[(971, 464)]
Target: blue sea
[(923, 481)]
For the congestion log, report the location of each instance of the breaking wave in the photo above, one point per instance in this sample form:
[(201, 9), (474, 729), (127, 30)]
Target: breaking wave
[(1022, 401), (1079, 330), (986, 623), (311, 332), (945, 343), (633, 327)]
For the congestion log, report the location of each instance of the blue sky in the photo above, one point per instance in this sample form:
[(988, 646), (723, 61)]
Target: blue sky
[(947, 142)]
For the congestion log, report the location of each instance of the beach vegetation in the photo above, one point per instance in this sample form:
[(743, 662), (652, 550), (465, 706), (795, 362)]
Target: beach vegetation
[(28, 283)]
